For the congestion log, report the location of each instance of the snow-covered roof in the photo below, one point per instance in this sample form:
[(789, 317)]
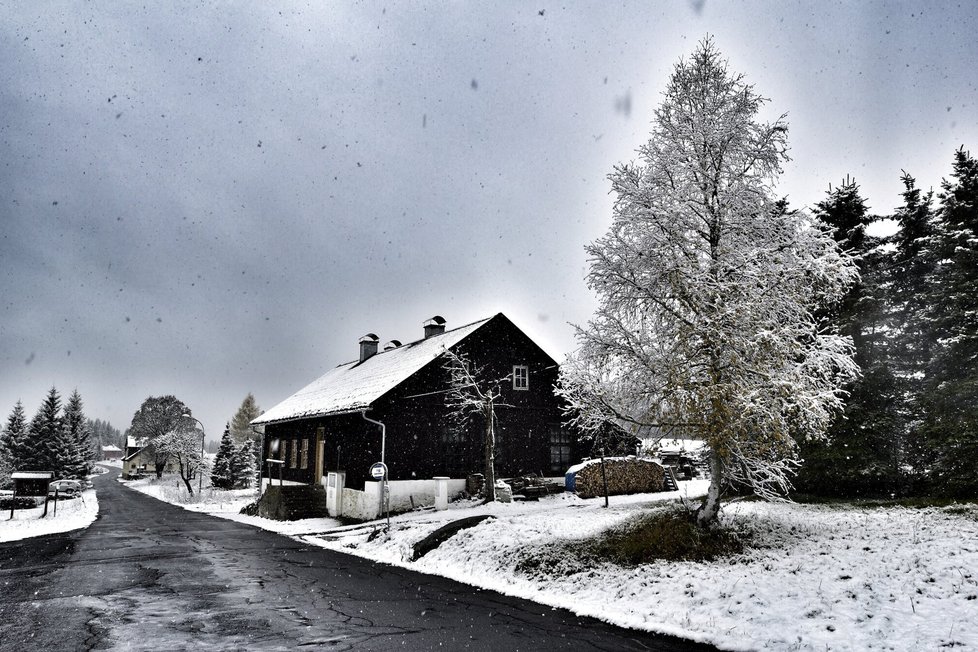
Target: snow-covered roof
[(134, 442), (356, 385), (32, 475), (111, 449)]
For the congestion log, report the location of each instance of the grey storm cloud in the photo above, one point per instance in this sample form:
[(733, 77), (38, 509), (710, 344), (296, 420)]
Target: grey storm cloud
[(210, 199)]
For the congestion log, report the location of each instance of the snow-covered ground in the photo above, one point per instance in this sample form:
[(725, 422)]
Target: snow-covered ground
[(171, 489), (816, 576), (72, 514)]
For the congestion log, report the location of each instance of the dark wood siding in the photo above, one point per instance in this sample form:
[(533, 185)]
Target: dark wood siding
[(422, 439)]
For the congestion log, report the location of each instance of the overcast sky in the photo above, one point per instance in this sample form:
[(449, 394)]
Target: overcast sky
[(206, 199)]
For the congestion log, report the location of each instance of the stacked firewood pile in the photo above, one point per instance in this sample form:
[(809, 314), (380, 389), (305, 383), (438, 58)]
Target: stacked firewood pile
[(626, 475)]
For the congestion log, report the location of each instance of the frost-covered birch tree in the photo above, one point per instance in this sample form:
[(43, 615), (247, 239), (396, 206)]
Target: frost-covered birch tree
[(707, 286)]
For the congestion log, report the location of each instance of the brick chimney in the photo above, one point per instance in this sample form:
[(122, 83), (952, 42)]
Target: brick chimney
[(434, 326), (368, 346)]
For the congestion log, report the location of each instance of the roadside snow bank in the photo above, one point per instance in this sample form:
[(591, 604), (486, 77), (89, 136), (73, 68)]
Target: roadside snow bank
[(73, 514)]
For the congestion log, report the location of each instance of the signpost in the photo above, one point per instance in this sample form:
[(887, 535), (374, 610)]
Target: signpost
[(378, 471)]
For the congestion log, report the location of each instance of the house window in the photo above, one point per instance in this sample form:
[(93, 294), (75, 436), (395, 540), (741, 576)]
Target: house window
[(294, 450), (304, 459), (560, 449), (521, 377)]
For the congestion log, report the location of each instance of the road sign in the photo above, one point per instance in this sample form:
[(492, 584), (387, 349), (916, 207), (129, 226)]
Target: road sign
[(378, 471)]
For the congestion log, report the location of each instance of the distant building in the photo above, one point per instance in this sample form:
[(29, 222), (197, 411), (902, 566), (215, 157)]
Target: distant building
[(140, 458), (111, 453)]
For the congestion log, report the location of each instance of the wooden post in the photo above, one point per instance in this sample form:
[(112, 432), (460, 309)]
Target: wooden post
[(55, 503), (604, 478)]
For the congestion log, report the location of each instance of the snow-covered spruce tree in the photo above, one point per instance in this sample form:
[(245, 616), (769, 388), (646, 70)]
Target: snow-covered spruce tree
[(913, 263), (241, 422), (46, 444), (222, 474), (952, 381), (77, 438), (911, 303), (6, 467), (863, 452), (13, 440), (707, 287), (243, 466)]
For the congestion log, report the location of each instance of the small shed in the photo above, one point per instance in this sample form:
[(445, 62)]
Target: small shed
[(31, 483)]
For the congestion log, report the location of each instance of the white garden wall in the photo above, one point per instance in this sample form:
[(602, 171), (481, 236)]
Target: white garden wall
[(404, 496)]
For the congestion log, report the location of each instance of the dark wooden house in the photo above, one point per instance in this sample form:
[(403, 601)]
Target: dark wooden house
[(322, 428)]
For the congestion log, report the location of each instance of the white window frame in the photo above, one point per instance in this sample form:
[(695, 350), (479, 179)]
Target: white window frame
[(521, 377)]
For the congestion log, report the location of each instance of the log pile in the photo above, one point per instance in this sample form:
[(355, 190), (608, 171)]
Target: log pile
[(626, 475)]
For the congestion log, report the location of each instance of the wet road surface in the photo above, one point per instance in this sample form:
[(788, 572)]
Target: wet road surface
[(151, 576)]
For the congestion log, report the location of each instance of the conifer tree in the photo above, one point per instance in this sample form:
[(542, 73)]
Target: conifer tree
[(13, 438), (241, 422), (222, 474), (952, 381), (5, 468), (104, 434), (912, 266), (46, 446), (77, 439), (911, 300), (862, 453), (243, 465)]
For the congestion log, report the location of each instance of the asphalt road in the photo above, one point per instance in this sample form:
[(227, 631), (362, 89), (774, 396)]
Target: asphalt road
[(150, 576)]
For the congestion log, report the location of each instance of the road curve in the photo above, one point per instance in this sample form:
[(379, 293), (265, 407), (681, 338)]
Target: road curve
[(147, 575)]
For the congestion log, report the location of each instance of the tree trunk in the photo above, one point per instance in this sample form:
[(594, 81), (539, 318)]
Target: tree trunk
[(185, 476), (709, 510), (490, 455)]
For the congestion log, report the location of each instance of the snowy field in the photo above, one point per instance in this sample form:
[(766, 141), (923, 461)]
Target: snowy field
[(73, 514), (816, 577)]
